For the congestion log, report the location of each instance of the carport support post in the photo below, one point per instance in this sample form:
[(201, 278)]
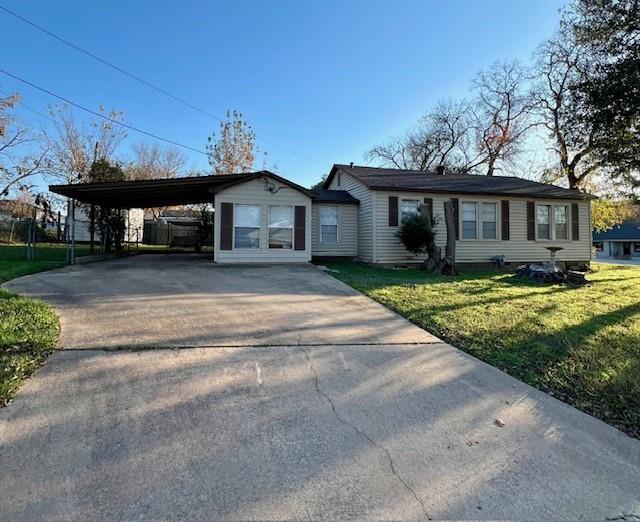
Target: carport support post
[(73, 232), (92, 226)]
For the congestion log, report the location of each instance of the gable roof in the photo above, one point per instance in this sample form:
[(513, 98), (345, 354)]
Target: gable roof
[(418, 181), (334, 196), (629, 231)]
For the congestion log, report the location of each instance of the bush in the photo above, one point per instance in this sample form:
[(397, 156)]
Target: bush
[(416, 233)]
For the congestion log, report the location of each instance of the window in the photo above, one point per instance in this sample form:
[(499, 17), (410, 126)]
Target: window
[(542, 220), (489, 221), (636, 247), (599, 246), (328, 224), (469, 221), (280, 227), (560, 222), (246, 226), (408, 207)]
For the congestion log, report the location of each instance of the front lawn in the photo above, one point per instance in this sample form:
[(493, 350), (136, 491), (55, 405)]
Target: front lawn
[(29, 329), (581, 345)]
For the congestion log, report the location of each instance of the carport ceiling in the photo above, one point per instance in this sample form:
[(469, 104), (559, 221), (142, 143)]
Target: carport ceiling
[(153, 193)]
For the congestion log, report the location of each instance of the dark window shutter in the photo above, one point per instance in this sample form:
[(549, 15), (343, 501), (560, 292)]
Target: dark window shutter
[(428, 202), (531, 221), (575, 222), (456, 213), (226, 226), (300, 227), (504, 211), (393, 211)]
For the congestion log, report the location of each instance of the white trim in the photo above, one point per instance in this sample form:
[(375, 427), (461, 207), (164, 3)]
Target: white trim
[(292, 228), (552, 222), (259, 227), (479, 220), (338, 218)]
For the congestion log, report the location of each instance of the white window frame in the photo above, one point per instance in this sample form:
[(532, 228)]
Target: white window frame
[(259, 227), (402, 214), (292, 228), (337, 225), (479, 220), (552, 222)]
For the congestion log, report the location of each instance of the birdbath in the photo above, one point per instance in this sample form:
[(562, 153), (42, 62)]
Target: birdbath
[(552, 259)]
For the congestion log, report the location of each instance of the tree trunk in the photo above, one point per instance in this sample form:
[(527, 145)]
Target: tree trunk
[(447, 264)]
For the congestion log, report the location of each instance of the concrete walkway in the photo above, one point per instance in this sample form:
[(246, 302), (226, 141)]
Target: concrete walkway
[(294, 431)]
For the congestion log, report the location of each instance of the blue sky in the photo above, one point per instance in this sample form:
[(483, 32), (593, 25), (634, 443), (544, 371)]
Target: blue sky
[(327, 79)]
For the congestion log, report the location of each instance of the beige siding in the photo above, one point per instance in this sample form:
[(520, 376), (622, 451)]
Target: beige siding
[(516, 249), (253, 193), (347, 244), (344, 181)]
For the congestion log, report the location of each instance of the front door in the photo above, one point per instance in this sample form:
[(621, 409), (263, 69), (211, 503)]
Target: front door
[(626, 249)]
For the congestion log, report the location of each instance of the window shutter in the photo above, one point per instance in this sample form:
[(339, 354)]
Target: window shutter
[(226, 226), (456, 213), (504, 211), (575, 222), (531, 221), (300, 227), (428, 202), (393, 211)]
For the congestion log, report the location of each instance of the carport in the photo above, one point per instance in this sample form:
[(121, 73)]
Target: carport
[(126, 195)]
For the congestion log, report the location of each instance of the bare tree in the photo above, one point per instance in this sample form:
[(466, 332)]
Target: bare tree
[(561, 67), (234, 150), (17, 162), (441, 137), (154, 162), (74, 147), (501, 114)]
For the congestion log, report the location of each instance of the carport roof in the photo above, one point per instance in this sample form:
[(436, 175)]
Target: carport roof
[(161, 192)]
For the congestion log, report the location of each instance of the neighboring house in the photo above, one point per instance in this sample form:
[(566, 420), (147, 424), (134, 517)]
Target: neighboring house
[(134, 221), (264, 218), (621, 242)]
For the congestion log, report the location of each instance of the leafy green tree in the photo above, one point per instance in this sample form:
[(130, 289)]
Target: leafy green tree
[(416, 233), (607, 213)]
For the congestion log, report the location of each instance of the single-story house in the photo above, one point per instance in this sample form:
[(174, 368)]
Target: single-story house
[(262, 217), (620, 242)]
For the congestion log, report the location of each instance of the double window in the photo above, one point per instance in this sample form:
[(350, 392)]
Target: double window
[(483, 214), (246, 226), (280, 226), (408, 207), (551, 222), (328, 224)]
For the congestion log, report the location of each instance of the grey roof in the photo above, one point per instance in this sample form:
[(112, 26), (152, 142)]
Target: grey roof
[(629, 231), (418, 181), (334, 196)]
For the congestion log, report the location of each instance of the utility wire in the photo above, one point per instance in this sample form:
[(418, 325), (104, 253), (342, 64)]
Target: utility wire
[(144, 82), (99, 115)]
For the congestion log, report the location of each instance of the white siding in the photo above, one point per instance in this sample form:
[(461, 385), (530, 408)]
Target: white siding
[(344, 181), (347, 244), (253, 193), (516, 249)]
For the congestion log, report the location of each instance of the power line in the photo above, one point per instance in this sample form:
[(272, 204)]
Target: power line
[(146, 83), (100, 115)]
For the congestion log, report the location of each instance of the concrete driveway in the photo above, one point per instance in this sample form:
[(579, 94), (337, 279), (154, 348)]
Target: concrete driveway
[(182, 300), (380, 430)]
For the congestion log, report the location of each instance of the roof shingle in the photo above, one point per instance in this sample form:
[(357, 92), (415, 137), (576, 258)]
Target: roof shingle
[(418, 181)]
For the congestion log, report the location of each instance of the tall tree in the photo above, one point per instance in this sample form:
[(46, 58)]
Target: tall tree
[(73, 147), (501, 114), (441, 137), (562, 65), (17, 161), (609, 32), (154, 162), (233, 150)]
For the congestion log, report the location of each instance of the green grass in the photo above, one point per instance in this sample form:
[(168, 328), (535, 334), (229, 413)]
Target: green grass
[(29, 329), (581, 345)]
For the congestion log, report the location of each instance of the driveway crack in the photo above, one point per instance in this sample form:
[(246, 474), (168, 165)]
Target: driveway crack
[(363, 435)]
